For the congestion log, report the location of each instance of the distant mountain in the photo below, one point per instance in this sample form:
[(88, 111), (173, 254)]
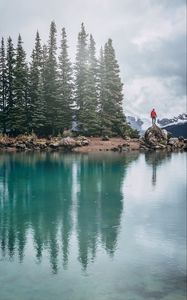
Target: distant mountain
[(177, 126), (135, 123), (181, 119), (177, 130)]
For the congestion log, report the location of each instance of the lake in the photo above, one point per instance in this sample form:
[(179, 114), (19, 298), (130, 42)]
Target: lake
[(100, 226)]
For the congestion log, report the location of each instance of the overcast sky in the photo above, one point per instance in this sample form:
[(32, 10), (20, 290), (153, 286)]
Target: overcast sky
[(148, 36)]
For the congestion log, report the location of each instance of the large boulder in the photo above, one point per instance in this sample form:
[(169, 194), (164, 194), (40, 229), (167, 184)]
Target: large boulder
[(67, 143), (82, 141), (177, 143), (21, 146), (155, 137), (173, 142)]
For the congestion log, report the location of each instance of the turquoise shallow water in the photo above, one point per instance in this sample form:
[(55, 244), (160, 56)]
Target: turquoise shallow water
[(98, 226)]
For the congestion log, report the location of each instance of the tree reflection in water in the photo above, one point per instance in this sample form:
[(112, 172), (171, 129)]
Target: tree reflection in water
[(39, 197)]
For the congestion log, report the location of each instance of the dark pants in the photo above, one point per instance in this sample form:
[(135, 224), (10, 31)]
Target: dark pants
[(153, 121)]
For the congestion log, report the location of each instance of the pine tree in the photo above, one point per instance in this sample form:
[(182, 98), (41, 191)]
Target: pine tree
[(3, 88), (35, 88), (111, 107), (81, 75), (27, 101), (104, 117), (101, 83), (51, 83), (20, 111), (43, 97), (10, 66), (44, 86), (65, 86), (91, 103)]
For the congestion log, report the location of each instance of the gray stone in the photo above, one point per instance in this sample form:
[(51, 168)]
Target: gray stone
[(21, 146), (68, 141), (154, 136), (54, 145), (105, 138), (173, 142), (162, 146), (82, 141)]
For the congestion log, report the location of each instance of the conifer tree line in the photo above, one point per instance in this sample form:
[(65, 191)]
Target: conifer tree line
[(50, 94)]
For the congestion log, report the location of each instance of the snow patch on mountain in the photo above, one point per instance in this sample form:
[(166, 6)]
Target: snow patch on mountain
[(141, 124), (135, 123), (181, 119)]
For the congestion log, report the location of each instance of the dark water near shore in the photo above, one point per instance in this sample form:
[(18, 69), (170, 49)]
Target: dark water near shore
[(97, 226)]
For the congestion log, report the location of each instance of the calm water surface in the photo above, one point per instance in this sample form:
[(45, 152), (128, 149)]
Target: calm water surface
[(92, 227)]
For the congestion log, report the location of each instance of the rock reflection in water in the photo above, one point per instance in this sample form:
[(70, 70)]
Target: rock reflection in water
[(155, 159)]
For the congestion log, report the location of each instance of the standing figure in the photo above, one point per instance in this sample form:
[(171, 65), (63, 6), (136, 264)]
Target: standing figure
[(153, 116)]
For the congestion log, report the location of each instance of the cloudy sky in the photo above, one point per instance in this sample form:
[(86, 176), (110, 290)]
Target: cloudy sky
[(148, 36)]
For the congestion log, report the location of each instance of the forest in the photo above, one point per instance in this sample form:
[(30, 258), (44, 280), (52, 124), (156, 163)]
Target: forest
[(49, 94)]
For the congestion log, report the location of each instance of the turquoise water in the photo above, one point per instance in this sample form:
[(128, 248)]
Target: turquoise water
[(97, 227)]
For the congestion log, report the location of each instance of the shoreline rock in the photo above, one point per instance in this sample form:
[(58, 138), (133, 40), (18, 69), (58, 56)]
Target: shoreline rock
[(30, 143), (156, 138), (153, 140)]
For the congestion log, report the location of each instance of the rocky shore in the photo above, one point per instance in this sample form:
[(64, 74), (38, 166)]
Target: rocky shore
[(32, 143), (154, 139)]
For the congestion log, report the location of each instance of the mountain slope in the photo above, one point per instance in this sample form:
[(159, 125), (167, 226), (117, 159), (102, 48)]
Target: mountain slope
[(181, 119), (177, 130), (177, 126)]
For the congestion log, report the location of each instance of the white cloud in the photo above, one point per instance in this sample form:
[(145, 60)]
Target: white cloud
[(148, 35), (159, 27), (143, 94)]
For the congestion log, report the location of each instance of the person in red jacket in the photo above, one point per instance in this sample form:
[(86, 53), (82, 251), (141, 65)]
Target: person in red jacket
[(153, 116)]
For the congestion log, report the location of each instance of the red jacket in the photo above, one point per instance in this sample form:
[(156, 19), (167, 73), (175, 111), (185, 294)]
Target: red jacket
[(153, 114)]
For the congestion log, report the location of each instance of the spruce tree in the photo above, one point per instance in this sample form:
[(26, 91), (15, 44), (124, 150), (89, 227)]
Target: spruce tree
[(51, 84), (44, 86), (27, 101), (81, 76), (91, 103), (20, 111), (101, 83), (41, 98), (65, 86), (112, 112), (35, 88), (3, 88), (10, 67), (104, 117)]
